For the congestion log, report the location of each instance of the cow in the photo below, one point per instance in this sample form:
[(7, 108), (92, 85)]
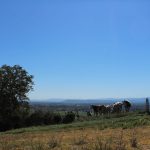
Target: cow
[(127, 105), (98, 109), (108, 109), (95, 109), (117, 107), (102, 109)]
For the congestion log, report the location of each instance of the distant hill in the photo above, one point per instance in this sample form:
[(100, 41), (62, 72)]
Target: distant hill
[(88, 101)]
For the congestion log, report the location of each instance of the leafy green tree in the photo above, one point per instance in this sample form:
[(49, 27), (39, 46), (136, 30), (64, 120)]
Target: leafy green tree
[(15, 84)]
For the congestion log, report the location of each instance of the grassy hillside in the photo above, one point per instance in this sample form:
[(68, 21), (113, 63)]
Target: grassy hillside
[(115, 132), (124, 121)]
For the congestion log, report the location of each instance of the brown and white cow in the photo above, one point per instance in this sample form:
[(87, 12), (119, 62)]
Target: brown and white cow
[(108, 109), (117, 107)]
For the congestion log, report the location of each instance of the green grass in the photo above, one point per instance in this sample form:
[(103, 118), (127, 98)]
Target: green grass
[(124, 121)]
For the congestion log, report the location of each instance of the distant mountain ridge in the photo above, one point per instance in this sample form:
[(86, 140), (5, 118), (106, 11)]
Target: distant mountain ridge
[(89, 101)]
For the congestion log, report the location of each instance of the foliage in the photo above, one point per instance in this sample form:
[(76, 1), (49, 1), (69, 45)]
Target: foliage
[(43, 118), (131, 120), (15, 83), (57, 118), (147, 105), (48, 118), (36, 118), (69, 117)]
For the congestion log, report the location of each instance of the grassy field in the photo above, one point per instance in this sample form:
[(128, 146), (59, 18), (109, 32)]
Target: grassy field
[(115, 132)]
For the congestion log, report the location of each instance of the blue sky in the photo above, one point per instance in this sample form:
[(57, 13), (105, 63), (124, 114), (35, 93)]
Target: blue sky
[(79, 48)]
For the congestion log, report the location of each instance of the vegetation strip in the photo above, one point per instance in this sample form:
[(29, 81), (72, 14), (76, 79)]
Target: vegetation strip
[(129, 121)]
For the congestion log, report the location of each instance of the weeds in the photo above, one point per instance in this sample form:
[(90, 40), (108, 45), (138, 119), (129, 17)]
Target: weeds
[(54, 141), (5, 144), (120, 144), (81, 140), (133, 140), (103, 144), (38, 146)]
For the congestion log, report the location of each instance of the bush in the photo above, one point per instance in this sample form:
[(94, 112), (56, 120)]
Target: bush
[(42, 118), (12, 121), (69, 117), (36, 118), (48, 118), (57, 119)]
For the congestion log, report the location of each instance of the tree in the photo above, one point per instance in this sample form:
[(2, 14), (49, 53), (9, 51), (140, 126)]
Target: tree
[(15, 84), (147, 105)]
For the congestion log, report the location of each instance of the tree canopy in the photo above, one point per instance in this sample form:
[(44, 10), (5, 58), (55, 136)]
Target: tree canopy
[(15, 84)]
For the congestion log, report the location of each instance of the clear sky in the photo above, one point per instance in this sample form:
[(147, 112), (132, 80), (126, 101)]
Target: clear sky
[(79, 48)]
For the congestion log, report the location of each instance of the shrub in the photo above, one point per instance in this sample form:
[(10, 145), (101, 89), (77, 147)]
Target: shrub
[(57, 119), (41, 118), (69, 117), (48, 118), (36, 118), (13, 121)]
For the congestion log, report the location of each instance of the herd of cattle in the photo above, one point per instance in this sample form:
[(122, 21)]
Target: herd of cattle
[(114, 108)]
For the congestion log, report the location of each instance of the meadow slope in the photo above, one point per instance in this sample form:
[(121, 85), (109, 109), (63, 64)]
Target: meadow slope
[(123, 132)]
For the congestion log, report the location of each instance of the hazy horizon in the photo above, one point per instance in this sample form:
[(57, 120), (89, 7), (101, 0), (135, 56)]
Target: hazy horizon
[(84, 99)]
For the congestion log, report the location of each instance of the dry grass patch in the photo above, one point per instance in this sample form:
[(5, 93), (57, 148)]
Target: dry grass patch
[(80, 139)]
